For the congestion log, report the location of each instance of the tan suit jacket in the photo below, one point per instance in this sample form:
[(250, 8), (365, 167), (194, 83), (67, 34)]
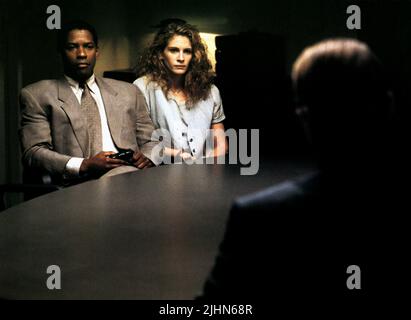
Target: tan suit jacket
[(53, 129)]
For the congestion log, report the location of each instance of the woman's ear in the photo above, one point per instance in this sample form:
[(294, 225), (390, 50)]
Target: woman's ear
[(197, 55)]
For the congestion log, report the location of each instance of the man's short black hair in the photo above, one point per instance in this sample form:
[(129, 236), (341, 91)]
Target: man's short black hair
[(74, 25)]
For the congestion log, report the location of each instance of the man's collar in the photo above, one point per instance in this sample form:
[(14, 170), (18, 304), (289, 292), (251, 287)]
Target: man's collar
[(91, 82)]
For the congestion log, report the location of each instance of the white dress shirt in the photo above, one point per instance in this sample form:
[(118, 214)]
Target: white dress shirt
[(74, 164)]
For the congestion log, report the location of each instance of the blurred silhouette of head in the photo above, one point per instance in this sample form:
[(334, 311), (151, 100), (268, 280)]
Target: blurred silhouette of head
[(344, 101)]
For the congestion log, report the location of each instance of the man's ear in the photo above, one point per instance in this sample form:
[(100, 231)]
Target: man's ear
[(391, 102), (303, 114), (97, 52)]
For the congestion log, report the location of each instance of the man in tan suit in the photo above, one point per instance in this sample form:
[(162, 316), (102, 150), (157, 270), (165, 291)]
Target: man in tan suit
[(70, 126)]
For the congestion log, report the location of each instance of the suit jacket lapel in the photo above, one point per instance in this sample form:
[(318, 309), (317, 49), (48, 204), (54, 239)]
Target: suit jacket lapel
[(72, 108), (111, 104)]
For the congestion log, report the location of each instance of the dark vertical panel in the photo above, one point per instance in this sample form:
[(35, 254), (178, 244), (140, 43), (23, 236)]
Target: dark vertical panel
[(256, 91), (2, 93), (13, 76)]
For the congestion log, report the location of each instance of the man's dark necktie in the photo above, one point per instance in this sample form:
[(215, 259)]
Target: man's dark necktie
[(92, 115)]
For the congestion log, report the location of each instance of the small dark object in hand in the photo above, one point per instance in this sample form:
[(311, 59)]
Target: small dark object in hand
[(126, 155)]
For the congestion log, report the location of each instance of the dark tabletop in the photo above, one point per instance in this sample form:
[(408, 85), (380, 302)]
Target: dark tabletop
[(152, 234)]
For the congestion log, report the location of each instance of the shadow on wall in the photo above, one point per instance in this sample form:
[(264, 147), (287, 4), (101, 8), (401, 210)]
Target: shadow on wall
[(256, 90)]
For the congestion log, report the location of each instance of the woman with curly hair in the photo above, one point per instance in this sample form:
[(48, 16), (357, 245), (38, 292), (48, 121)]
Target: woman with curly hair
[(175, 76)]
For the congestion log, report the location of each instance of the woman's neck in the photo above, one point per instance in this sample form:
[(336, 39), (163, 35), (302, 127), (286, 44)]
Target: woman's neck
[(177, 89), (176, 83)]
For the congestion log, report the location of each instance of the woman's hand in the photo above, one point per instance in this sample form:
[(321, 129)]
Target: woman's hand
[(141, 161)]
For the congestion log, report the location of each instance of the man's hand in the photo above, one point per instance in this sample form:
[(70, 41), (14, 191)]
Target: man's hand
[(141, 161), (100, 164)]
